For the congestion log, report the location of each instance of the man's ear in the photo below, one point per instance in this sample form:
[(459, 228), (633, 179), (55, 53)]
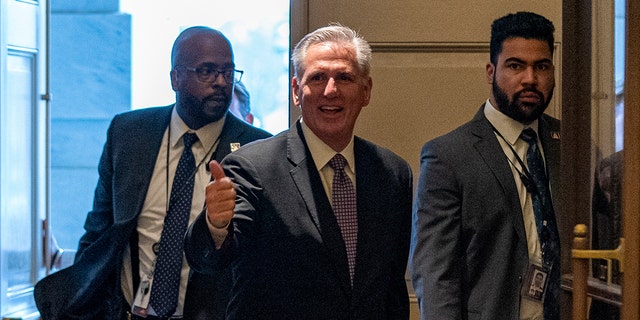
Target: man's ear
[(367, 91), (174, 80), (491, 69), (295, 86)]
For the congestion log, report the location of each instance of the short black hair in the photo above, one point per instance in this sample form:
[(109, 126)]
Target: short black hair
[(526, 25)]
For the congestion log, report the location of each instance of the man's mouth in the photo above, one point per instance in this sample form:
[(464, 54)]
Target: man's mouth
[(330, 108), (530, 96)]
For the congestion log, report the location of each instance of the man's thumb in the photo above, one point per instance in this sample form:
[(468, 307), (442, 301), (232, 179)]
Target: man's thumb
[(216, 170)]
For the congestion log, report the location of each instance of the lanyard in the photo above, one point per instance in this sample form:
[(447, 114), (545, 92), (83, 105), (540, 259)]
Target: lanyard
[(523, 172), (192, 173)]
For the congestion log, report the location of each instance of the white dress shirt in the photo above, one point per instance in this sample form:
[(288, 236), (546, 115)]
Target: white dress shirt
[(151, 218), (510, 130)]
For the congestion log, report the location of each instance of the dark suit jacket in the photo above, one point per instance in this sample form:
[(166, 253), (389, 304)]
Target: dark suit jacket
[(90, 288), (289, 259), (469, 247)]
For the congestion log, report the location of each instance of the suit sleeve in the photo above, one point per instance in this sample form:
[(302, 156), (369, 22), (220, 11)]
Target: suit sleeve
[(199, 246), (101, 215), (436, 256), (200, 251)]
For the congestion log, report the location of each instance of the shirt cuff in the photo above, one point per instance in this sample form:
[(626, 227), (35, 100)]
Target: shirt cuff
[(219, 235)]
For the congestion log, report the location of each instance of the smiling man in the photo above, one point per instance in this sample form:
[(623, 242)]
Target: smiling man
[(483, 220), (314, 221)]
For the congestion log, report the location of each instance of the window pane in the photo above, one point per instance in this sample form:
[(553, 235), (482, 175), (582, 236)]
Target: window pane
[(619, 41), (17, 173)]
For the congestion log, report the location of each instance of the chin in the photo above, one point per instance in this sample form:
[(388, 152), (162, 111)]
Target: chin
[(215, 112)]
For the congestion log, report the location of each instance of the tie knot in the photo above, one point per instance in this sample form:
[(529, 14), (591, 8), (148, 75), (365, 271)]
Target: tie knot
[(338, 162), (529, 136), (189, 139)]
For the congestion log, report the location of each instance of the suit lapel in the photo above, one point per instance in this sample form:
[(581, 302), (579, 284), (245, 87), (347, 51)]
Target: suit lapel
[(230, 136), (371, 188), (146, 146), (302, 171), (487, 145), (550, 140), (309, 185)]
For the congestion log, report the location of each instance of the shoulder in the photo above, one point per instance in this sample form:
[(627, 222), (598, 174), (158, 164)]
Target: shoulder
[(364, 146), (243, 131), (372, 153), (550, 123), (141, 118), (462, 135), (266, 147)]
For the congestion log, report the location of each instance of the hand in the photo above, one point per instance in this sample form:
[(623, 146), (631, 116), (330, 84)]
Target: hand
[(220, 197)]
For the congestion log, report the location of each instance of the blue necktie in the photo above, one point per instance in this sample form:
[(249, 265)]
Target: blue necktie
[(345, 208), (168, 265), (545, 223)]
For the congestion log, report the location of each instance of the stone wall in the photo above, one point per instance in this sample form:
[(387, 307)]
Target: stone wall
[(90, 78)]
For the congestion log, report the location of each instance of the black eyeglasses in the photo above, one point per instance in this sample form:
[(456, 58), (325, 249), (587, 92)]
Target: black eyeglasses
[(210, 74)]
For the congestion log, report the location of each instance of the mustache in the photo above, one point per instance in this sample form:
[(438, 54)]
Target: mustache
[(215, 97), (534, 91)]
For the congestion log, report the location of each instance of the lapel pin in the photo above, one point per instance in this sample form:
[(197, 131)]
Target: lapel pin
[(234, 146)]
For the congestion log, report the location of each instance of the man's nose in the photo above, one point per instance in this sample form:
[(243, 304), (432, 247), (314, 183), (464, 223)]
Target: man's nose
[(331, 89), (529, 75)]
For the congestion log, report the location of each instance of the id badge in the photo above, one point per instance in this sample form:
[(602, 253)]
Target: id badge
[(534, 286), (141, 301)]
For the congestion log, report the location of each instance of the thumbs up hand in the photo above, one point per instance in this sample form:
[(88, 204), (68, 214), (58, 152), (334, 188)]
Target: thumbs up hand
[(220, 197)]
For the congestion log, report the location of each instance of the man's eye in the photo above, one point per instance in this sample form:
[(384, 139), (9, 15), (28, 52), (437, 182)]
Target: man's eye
[(514, 66), (345, 78), (543, 67), (205, 71), (317, 78)]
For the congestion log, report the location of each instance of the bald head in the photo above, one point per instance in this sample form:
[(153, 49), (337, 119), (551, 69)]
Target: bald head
[(188, 43)]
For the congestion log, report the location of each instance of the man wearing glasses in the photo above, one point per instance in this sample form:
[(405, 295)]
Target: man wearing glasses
[(129, 263)]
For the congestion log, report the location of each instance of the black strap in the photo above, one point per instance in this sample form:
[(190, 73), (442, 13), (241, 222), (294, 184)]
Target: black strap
[(135, 262)]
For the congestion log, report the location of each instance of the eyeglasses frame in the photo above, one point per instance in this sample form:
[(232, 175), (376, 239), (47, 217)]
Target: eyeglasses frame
[(215, 72)]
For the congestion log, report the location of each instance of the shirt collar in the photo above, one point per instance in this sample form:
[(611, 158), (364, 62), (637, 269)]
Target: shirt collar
[(322, 153), (509, 128), (207, 134)]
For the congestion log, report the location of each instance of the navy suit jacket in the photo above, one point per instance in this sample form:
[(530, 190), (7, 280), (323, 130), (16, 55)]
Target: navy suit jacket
[(287, 253), (469, 246), (90, 288)]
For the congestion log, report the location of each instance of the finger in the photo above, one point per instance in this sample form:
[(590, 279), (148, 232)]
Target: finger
[(216, 170)]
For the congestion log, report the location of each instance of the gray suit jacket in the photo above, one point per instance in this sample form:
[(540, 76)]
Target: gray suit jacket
[(288, 255), (90, 288), (469, 247)]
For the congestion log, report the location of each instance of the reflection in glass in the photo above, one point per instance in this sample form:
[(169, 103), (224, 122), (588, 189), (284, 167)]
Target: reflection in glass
[(619, 45), (607, 189)]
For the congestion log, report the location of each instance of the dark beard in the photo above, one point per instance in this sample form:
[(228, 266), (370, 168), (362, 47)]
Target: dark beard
[(200, 111), (517, 110)]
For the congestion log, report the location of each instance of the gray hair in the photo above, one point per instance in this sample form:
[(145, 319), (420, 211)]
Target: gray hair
[(336, 33)]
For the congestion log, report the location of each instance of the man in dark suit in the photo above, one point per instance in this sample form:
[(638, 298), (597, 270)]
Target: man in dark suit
[(476, 247), (116, 259), (295, 250)]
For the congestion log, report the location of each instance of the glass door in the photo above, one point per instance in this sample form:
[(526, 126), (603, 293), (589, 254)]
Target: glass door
[(23, 155)]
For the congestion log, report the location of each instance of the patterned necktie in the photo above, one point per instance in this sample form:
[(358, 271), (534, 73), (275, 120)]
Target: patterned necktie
[(345, 209), (168, 265), (545, 223)]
